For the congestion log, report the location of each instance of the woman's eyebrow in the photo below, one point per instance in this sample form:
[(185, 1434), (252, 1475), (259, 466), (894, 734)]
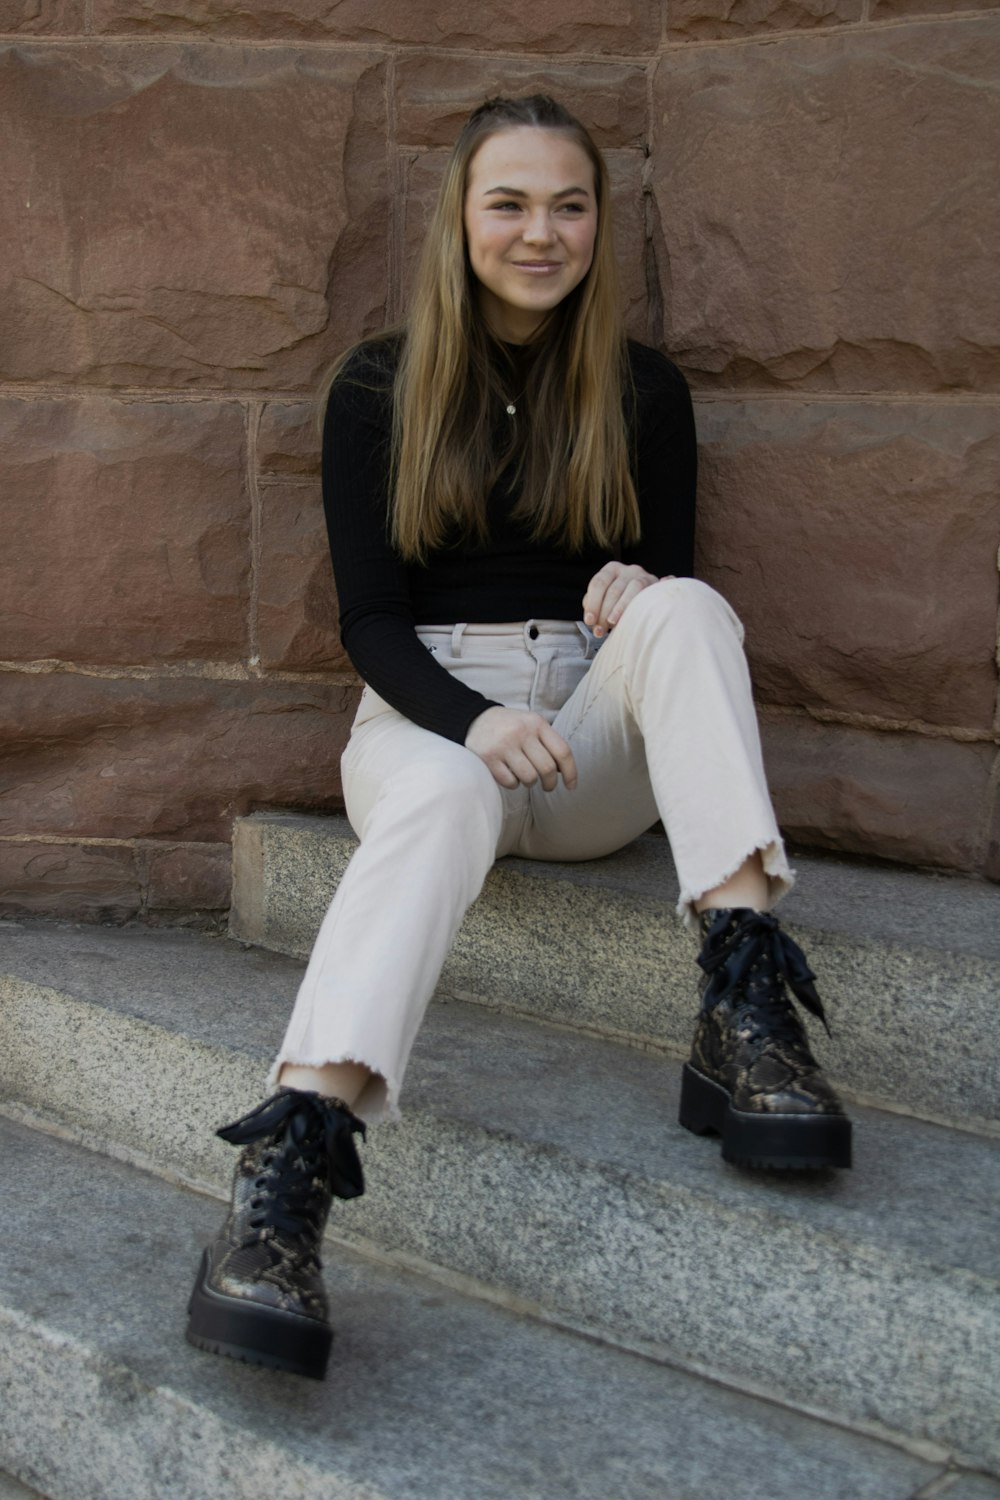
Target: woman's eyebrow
[(509, 192)]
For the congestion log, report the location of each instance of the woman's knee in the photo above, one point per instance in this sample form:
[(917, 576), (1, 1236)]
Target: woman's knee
[(677, 601)]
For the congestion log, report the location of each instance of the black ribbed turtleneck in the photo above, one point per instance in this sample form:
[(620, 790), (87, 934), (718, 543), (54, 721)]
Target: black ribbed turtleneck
[(511, 578)]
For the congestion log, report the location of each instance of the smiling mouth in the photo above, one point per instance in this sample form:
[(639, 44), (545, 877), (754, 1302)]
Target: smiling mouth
[(538, 266)]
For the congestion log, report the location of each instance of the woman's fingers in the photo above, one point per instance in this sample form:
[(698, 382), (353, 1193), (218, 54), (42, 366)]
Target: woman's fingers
[(528, 772), (561, 754), (521, 748), (501, 772), (543, 756), (610, 592), (593, 599), (622, 592), (611, 596)]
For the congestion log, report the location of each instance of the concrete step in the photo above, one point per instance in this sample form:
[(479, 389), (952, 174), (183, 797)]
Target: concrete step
[(547, 1167), (908, 963), (430, 1395), (12, 1489)]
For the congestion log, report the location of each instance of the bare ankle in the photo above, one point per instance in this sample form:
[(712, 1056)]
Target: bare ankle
[(345, 1081), (747, 887)]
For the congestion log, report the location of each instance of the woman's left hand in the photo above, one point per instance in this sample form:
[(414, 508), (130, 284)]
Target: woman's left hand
[(610, 592)]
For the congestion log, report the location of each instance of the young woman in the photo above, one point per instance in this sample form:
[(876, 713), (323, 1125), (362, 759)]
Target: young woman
[(509, 489)]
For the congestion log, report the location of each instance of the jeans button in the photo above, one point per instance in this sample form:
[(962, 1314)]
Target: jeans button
[(533, 632)]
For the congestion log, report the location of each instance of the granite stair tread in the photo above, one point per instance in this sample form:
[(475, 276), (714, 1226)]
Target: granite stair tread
[(548, 1165), (834, 893), (429, 1393), (908, 962), (611, 1104)]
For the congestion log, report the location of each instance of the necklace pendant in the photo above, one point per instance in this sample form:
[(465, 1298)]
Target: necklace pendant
[(511, 409)]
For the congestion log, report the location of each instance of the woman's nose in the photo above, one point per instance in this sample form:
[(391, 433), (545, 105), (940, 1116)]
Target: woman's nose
[(538, 230)]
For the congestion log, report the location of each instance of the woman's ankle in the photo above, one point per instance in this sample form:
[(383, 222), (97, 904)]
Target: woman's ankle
[(344, 1081), (747, 887)]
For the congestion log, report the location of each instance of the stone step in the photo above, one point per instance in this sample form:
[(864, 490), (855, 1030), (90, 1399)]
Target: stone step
[(547, 1166), (12, 1489), (431, 1395), (908, 963)]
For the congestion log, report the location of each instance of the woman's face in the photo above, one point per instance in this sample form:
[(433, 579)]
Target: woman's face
[(530, 222)]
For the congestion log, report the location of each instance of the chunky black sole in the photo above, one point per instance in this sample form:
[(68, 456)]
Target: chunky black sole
[(257, 1335), (785, 1142)]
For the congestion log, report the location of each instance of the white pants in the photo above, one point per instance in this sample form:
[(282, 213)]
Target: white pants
[(661, 723)]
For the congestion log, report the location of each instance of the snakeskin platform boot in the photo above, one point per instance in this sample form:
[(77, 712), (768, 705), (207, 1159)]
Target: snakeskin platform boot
[(751, 1077), (259, 1295)]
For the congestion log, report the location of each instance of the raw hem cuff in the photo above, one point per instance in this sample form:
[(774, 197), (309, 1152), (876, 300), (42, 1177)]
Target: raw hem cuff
[(378, 1102), (780, 879)]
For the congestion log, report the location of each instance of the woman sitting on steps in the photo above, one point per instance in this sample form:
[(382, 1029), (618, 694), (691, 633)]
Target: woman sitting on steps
[(509, 490)]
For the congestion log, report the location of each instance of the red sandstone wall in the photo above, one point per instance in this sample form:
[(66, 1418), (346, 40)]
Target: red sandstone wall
[(200, 204)]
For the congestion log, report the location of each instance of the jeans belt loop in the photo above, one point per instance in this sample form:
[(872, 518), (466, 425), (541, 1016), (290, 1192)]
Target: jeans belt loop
[(456, 639), (590, 640)]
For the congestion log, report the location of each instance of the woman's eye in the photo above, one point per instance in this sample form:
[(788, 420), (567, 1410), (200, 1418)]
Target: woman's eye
[(503, 206), (573, 208)]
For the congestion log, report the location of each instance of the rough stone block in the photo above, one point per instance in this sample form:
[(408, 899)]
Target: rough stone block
[(858, 543), (586, 26), (714, 20), (628, 205), (127, 530), (188, 877), (41, 17), (173, 758), (908, 797), (91, 880), (435, 95), (186, 216), (288, 439), (424, 171), (296, 602), (828, 212)]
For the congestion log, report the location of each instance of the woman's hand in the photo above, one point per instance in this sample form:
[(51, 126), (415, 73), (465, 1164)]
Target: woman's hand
[(521, 748), (610, 592)]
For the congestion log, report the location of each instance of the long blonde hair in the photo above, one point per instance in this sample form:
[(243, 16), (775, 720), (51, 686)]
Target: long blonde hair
[(573, 468)]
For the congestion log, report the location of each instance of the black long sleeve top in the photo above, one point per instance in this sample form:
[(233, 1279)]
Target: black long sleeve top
[(511, 577)]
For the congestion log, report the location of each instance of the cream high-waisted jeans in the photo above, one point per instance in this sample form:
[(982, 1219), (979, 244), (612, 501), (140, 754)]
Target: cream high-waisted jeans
[(661, 723)]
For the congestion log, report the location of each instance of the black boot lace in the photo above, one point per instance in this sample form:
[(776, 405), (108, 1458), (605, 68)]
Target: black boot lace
[(747, 951), (310, 1151), (768, 1015), (288, 1199)]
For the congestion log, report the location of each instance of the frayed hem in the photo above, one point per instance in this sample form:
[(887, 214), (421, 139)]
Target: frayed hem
[(780, 880), (378, 1102)]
